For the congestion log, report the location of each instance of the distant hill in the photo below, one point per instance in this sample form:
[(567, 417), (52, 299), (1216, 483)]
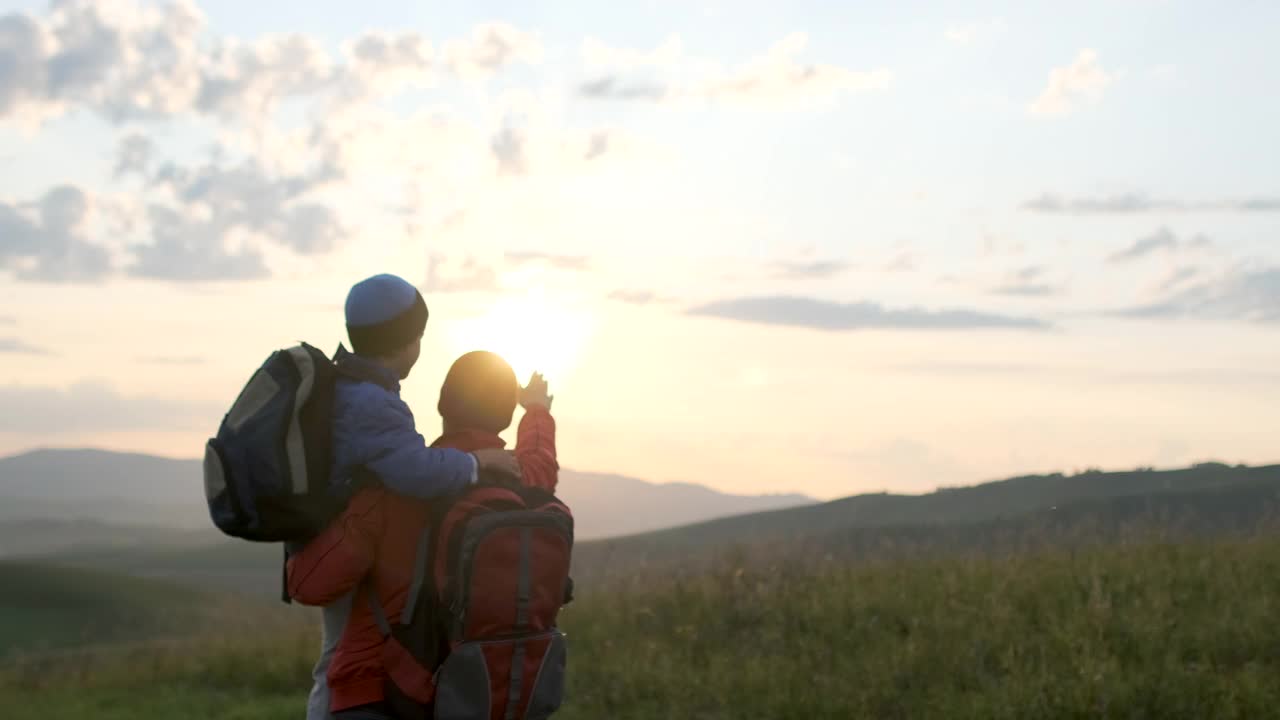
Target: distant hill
[(962, 505), (1027, 511), (1210, 498), (142, 490), (109, 487), (611, 505)]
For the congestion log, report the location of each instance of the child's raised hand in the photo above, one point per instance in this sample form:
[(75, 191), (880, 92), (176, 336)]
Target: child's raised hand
[(535, 393)]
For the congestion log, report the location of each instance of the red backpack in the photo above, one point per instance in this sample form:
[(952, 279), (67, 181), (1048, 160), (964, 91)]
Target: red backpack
[(477, 639)]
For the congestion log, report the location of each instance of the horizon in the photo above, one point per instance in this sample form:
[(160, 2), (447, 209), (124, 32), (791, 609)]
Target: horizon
[(817, 499), (762, 249)]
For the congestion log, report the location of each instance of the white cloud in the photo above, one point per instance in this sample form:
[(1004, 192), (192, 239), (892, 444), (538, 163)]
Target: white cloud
[(301, 183), (131, 61), (1134, 202), (777, 78), (1242, 294), (382, 63), (93, 405), (819, 314), (47, 240), (1084, 81), (598, 55), (119, 59), (16, 346), (250, 79), (490, 47), (1162, 240), (460, 274)]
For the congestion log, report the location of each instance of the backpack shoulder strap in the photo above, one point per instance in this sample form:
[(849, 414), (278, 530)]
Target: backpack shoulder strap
[(421, 560)]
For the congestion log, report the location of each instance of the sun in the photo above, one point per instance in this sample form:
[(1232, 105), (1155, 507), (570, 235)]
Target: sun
[(530, 331)]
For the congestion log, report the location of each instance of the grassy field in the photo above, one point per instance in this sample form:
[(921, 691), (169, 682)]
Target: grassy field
[(46, 608), (1153, 630)]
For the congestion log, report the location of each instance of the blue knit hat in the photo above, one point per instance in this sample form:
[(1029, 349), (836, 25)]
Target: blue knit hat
[(384, 313)]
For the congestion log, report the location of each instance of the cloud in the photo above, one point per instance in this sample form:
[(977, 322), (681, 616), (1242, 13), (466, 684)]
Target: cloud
[(809, 270), (1259, 204), (1178, 277), (8, 320), (596, 55), (214, 207), (250, 79), (1127, 203), (128, 61), (52, 244), (95, 406), (635, 297), (15, 346), (825, 315), (597, 145), (121, 61), (508, 150), (134, 155), (1248, 295), (445, 275), (176, 360), (902, 262), (187, 248), (1026, 282), (776, 78), (1084, 81), (381, 63), (1162, 239), (609, 87), (1093, 374), (490, 47), (561, 262), (296, 122), (969, 33), (1025, 290)]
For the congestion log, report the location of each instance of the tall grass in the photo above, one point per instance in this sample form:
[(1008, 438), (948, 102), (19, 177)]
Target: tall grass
[(1152, 630)]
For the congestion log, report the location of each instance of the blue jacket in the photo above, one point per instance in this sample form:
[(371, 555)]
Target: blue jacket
[(373, 427)]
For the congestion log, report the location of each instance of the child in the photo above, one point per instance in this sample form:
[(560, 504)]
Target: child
[(373, 429), (377, 530)]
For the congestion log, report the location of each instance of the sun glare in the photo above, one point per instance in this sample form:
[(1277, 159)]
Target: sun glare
[(530, 331)]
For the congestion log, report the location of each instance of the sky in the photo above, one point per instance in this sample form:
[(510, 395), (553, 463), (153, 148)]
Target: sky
[(766, 247)]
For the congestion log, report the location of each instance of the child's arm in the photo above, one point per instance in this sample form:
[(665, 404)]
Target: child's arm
[(536, 437), (398, 454), (334, 562)]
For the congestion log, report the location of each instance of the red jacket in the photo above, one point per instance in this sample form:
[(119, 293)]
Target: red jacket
[(378, 532)]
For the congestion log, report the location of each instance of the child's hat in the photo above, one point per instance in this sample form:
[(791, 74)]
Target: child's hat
[(384, 313)]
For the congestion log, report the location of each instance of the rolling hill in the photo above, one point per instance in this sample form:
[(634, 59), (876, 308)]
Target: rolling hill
[(1208, 499), (961, 505), (1042, 510), (122, 489)]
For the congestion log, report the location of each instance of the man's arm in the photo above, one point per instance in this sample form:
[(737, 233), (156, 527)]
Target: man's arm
[(536, 437), (334, 562), (536, 449)]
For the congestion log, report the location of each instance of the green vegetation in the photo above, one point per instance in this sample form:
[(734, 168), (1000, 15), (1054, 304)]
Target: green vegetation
[(1152, 630), (1108, 595), (45, 608)]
